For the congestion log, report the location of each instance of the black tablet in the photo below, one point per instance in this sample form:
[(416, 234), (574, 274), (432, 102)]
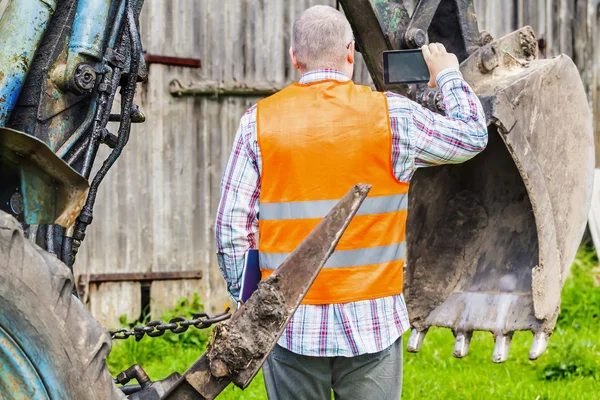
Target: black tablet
[(404, 66)]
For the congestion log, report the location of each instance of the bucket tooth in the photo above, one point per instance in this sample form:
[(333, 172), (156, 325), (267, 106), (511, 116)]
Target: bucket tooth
[(415, 340), (461, 345), (540, 342), (501, 348)]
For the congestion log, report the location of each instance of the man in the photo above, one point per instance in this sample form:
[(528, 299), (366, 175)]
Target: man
[(311, 143)]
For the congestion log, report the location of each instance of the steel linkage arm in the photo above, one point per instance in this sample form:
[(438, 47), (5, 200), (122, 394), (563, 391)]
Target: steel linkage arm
[(416, 33), (240, 346), (381, 25)]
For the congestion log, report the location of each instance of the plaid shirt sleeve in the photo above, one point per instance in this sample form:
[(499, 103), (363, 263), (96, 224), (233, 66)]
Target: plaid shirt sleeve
[(236, 227), (422, 138)]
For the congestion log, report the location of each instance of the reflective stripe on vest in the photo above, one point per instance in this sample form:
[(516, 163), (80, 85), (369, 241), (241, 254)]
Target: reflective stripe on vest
[(308, 164), (320, 208), (344, 258)]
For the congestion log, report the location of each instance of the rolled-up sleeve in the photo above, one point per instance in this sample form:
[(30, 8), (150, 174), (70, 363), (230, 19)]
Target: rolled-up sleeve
[(456, 137)]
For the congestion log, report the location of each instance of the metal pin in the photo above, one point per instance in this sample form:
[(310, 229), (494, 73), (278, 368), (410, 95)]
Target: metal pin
[(415, 340), (540, 342), (501, 348), (461, 345)]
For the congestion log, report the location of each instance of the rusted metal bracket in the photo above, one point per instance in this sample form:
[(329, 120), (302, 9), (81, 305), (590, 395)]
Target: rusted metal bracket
[(215, 90), (52, 191), (173, 61), (84, 280)]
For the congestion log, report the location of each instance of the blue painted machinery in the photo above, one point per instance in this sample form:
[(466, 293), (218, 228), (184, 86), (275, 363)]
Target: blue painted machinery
[(61, 65)]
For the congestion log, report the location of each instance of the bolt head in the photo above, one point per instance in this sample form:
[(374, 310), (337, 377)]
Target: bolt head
[(16, 203), (85, 77), (485, 38), (439, 103), (489, 59), (416, 38)]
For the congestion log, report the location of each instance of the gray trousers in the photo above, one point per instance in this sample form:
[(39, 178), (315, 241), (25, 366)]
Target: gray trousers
[(375, 376)]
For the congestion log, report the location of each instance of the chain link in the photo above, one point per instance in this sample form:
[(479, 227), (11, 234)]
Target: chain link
[(176, 325)]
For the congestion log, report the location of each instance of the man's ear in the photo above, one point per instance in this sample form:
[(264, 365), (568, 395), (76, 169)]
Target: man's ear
[(350, 56), (294, 60)]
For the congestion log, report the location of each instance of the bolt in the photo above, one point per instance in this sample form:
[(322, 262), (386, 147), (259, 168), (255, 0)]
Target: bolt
[(439, 103), (485, 38), (489, 59), (529, 45), (16, 203), (416, 38), (430, 98), (434, 100), (85, 77)]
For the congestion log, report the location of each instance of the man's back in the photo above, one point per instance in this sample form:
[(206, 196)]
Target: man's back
[(317, 143), (308, 164)]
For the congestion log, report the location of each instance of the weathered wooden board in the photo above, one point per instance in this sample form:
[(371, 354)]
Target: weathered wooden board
[(156, 209)]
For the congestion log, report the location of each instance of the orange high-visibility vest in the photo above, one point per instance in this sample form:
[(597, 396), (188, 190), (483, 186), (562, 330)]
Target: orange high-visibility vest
[(318, 140)]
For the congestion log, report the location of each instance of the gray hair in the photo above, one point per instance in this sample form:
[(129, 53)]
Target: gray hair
[(320, 38)]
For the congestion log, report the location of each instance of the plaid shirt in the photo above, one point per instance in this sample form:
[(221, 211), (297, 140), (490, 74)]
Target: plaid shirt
[(420, 138)]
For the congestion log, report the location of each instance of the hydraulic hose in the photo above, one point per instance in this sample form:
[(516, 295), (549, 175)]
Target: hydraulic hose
[(128, 93)]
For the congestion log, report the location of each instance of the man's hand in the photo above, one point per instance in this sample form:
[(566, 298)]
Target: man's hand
[(437, 59)]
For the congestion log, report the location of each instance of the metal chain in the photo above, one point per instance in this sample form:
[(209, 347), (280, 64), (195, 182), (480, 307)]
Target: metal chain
[(176, 325)]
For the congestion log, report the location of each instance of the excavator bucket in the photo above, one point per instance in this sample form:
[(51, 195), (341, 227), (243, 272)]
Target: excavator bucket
[(490, 241)]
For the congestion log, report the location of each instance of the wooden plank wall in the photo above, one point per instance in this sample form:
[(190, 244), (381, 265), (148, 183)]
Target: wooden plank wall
[(156, 208)]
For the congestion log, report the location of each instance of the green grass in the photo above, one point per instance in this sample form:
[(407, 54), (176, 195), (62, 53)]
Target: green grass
[(570, 368)]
